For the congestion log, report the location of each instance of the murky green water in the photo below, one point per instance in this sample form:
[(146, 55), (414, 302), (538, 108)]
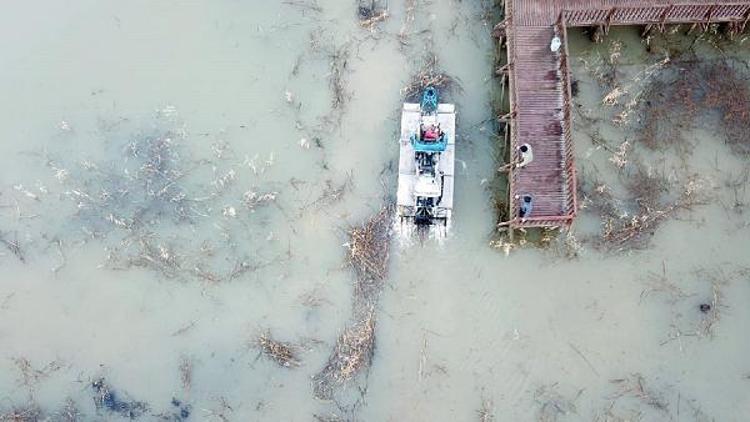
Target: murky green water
[(116, 278)]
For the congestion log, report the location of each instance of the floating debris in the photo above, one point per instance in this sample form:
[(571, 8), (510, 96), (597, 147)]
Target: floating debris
[(186, 373), (369, 246), (68, 413), (486, 413), (353, 353), (634, 386), (629, 223), (371, 12), (28, 413), (14, 247), (252, 199), (430, 75), (284, 354)]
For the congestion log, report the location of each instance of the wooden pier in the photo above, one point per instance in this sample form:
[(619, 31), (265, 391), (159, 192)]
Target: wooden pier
[(539, 88)]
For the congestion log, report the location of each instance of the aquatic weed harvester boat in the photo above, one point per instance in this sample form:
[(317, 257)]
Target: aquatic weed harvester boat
[(426, 164)]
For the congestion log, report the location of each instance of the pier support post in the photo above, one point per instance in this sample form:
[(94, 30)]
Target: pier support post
[(506, 118)]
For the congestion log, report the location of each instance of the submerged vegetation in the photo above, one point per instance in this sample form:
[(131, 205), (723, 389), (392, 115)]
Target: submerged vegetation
[(155, 207), (689, 93), (670, 103)]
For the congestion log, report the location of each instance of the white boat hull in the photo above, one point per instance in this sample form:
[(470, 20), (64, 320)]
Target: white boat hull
[(408, 180)]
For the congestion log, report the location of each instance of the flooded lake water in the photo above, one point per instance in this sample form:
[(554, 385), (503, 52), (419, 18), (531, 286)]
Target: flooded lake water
[(177, 180)]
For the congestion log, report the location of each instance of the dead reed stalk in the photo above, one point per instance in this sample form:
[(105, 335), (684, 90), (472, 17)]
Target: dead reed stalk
[(31, 376), (305, 5), (635, 386), (186, 373)]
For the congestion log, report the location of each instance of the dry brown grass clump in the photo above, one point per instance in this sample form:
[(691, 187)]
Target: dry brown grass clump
[(369, 246), (684, 99), (353, 353), (284, 354)]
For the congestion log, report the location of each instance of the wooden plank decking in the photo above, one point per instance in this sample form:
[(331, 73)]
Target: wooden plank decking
[(539, 88)]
